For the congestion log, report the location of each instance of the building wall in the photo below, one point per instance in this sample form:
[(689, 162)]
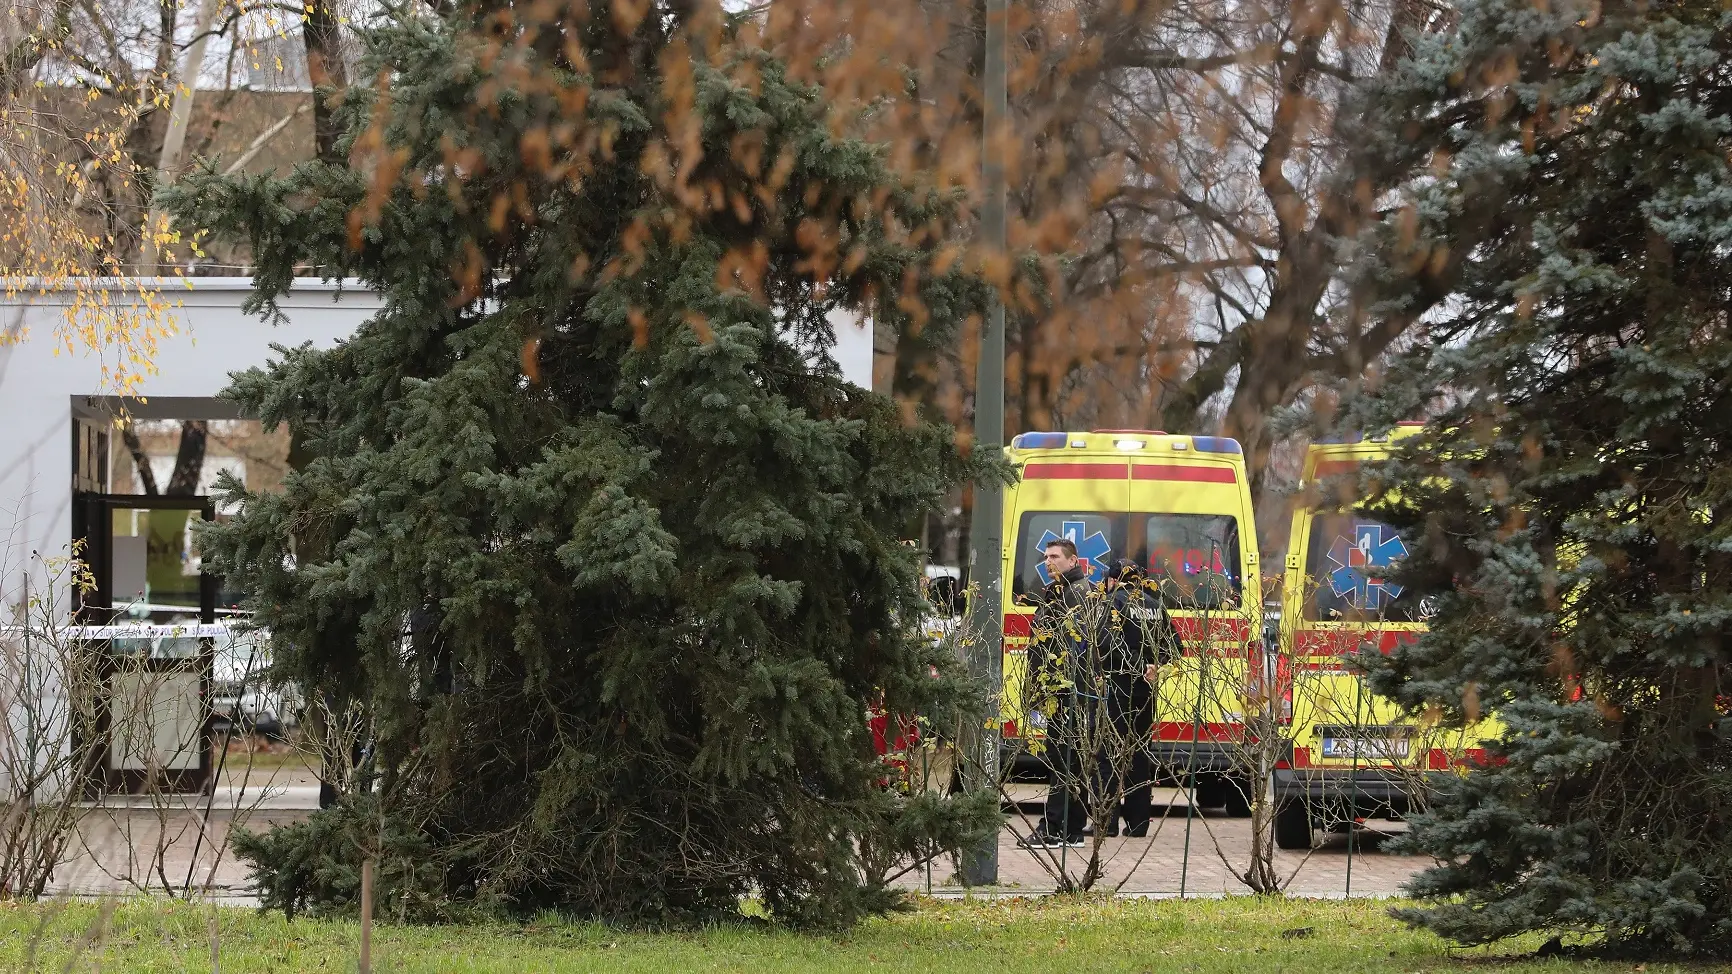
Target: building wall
[(39, 382)]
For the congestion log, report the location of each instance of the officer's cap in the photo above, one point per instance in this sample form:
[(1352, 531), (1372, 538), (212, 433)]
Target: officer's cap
[(1125, 571)]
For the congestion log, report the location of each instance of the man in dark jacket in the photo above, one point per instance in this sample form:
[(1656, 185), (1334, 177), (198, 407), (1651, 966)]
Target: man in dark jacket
[(1138, 636), (1058, 630)]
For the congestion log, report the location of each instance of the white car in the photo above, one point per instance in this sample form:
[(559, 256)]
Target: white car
[(943, 589), (240, 688)]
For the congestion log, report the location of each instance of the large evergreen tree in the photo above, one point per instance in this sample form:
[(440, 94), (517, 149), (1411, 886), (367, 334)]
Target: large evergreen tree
[(591, 525), (1573, 496)]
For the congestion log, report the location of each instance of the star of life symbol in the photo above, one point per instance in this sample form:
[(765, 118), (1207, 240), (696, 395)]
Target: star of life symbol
[(1094, 551), (1356, 578)]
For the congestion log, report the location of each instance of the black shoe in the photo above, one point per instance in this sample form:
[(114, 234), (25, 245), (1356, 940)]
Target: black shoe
[(1039, 839), (1137, 831)]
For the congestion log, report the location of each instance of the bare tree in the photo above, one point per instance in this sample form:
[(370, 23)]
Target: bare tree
[(45, 741), (1181, 209)]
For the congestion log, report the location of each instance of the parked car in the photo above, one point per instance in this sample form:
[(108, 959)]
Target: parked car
[(242, 690)]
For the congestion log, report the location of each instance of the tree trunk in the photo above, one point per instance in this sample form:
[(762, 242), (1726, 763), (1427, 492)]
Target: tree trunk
[(140, 462), (321, 34), (179, 116), (189, 459)]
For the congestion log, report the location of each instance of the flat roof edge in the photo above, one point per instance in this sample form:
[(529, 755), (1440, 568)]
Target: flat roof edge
[(12, 288)]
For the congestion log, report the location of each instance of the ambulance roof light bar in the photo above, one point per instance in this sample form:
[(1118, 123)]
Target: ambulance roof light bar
[(1216, 444), (1357, 436), (1124, 439), (1039, 441)]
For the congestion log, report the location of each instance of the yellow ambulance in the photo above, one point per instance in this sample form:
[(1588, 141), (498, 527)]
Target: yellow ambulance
[(1354, 755), (1179, 506)]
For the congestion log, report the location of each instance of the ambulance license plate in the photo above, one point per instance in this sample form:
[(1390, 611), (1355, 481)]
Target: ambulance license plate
[(1371, 744)]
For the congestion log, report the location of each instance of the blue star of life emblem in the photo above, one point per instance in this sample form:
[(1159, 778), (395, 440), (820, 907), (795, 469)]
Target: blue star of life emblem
[(1094, 551), (1358, 578)]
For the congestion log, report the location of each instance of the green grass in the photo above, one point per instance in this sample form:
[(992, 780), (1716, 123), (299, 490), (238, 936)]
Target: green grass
[(1007, 937), (284, 757)]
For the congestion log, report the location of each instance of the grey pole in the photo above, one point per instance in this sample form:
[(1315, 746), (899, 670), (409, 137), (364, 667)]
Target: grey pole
[(986, 529)]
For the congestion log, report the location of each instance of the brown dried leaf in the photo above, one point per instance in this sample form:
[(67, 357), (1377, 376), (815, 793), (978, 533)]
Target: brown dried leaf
[(701, 325), (529, 358), (639, 328)]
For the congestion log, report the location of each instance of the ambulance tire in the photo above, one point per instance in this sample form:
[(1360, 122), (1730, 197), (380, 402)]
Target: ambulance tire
[(1293, 830), (1238, 803), (1212, 789)]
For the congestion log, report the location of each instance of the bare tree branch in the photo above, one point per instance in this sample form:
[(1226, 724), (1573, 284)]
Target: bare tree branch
[(23, 57)]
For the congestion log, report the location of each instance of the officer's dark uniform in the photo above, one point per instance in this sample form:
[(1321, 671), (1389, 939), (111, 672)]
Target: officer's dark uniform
[(1138, 632), (1063, 599)]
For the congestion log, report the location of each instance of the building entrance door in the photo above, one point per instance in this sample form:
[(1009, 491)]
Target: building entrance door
[(151, 659)]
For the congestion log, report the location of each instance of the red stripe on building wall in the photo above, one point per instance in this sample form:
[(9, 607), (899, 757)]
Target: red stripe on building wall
[(1074, 471), (1189, 473)]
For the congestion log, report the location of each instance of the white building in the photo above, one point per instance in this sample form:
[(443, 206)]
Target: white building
[(56, 414), (57, 438)]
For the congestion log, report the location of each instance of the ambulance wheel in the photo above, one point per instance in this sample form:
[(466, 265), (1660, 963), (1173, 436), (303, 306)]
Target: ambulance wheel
[(1293, 826), (1238, 801), (1211, 789)]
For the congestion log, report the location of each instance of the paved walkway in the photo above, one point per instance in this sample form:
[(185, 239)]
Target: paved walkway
[(1161, 865), (137, 848), (169, 843)]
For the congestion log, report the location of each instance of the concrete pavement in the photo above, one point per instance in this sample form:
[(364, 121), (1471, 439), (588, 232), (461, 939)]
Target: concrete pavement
[(143, 845)]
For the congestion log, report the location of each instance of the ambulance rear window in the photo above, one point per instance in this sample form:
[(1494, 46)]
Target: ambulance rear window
[(1099, 540), (1195, 557), (1347, 562)]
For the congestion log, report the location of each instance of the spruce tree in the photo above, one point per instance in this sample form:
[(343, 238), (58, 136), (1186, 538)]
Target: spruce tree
[(592, 526), (1572, 496)]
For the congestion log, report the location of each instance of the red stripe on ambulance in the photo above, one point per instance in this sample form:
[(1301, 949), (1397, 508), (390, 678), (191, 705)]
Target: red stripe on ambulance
[(1189, 473), (1074, 471)]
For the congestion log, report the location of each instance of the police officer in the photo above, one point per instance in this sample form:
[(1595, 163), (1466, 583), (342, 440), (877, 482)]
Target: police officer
[(1054, 652), (1138, 636)]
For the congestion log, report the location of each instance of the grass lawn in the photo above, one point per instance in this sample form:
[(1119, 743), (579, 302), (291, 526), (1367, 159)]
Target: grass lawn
[(1053, 937), (278, 756)]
